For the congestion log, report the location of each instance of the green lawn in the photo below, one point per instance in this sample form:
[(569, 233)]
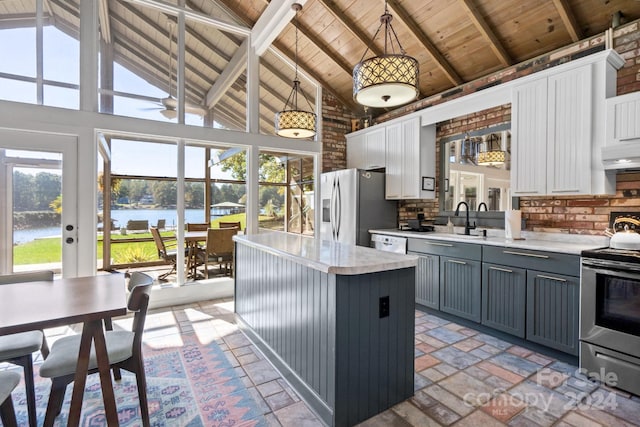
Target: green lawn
[(49, 250)]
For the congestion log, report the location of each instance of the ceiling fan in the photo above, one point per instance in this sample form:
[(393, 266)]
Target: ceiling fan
[(169, 104)]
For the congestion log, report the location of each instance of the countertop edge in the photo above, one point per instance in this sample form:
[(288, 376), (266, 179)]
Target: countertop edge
[(535, 244), (400, 261)]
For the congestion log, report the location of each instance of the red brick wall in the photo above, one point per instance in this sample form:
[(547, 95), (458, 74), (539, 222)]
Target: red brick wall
[(336, 123), (571, 214)]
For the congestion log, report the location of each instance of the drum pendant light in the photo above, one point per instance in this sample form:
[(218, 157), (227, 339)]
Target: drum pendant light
[(292, 122), (387, 80)]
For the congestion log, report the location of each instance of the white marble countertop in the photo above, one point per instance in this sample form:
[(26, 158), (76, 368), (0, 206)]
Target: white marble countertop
[(571, 244), (328, 257)]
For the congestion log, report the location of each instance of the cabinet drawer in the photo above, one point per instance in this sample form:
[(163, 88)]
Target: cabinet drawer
[(448, 248), (551, 262)]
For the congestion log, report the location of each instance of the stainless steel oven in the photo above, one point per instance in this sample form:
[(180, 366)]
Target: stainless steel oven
[(610, 317)]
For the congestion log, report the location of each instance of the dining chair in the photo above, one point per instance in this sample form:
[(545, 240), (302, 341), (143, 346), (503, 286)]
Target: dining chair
[(223, 224), (8, 382), (18, 348), (219, 249), (166, 250), (124, 349), (197, 226)]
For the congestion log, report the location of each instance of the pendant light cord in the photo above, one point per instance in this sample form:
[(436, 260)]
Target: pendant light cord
[(385, 20), (293, 96)]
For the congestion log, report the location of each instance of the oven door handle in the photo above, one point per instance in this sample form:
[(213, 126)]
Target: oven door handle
[(613, 272)]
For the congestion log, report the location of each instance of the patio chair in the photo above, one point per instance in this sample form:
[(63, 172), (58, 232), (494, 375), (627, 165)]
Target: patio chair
[(167, 251), (124, 349), (223, 224), (219, 249), (197, 226), (18, 348), (8, 382)]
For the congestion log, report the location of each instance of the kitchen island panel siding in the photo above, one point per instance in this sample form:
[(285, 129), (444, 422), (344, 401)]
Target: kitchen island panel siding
[(327, 333), (371, 344), (292, 308)]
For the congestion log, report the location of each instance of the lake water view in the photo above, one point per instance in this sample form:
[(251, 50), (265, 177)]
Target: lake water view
[(120, 217)]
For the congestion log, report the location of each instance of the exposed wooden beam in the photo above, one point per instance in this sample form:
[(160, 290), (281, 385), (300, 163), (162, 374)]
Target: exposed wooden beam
[(103, 16), (486, 31), (351, 26), (417, 32), (568, 19), (271, 22), (229, 75)]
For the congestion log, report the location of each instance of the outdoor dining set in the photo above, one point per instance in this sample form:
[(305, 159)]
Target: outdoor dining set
[(204, 247)]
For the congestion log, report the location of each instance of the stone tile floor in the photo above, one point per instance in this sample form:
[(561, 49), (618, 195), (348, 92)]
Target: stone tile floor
[(463, 377)]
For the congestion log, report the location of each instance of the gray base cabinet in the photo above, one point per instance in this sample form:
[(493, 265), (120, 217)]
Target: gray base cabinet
[(428, 280), (527, 293), (504, 298), (553, 310), (460, 287)]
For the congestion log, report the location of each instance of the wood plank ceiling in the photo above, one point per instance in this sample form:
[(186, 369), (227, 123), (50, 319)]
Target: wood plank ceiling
[(455, 41)]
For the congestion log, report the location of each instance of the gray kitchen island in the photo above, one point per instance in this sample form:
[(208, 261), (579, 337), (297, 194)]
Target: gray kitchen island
[(337, 320)]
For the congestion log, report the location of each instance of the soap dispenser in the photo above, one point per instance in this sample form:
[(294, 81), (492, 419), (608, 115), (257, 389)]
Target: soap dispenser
[(449, 226)]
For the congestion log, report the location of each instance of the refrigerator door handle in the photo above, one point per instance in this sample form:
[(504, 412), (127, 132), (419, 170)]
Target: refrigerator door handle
[(338, 210), (332, 209)]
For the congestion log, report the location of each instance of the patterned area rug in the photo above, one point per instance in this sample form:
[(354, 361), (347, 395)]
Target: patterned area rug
[(190, 386)]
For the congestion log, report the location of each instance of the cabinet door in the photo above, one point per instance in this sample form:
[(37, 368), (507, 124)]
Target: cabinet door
[(411, 184), (375, 143), (393, 178), (356, 152), (569, 132), (460, 287), (553, 310), (428, 280), (529, 138), (504, 298)]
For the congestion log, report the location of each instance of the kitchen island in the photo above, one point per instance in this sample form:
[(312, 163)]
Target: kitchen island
[(337, 320)]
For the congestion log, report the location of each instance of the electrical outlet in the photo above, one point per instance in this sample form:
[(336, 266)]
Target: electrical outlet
[(384, 307)]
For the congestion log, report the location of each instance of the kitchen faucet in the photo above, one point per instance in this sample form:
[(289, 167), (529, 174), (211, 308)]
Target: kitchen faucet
[(481, 205), (467, 226)]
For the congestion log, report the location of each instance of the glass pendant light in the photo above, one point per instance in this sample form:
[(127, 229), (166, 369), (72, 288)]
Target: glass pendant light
[(293, 122)]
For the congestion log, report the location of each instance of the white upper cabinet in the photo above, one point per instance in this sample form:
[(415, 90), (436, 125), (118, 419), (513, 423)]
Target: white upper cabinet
[(410, 156), (569, 132), (623, 119), (366, 149), (529, 138), (558, 129)]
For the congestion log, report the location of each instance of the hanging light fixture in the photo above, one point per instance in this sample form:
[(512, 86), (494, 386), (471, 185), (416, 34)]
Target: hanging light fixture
[(491, 156), (292, 122), (387, 80)]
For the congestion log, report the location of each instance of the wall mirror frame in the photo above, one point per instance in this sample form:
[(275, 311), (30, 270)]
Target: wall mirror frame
[(470, 170)]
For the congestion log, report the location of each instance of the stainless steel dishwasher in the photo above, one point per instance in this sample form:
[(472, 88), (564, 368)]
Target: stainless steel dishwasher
[(393, 244)]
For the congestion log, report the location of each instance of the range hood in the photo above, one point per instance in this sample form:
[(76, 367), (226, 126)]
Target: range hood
[(622, 157)]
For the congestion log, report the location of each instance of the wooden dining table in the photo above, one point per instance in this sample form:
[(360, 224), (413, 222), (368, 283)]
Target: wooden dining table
[(88, 300), (191, 240)]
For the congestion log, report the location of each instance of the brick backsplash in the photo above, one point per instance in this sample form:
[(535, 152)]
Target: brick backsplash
[(571, 214)]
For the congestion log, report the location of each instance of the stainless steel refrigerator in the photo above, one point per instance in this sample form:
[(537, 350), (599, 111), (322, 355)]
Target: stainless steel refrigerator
[(353, 203)]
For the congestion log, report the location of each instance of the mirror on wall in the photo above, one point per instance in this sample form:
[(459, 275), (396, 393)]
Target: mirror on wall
[(476, 168)]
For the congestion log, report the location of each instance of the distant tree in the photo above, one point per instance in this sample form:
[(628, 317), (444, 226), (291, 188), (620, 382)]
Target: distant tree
[(194, 194), (164, 192), (47, 187), (271, 169), (23, 194)]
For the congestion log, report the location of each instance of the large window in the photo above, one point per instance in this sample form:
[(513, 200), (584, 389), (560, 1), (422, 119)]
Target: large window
[(45, 71)]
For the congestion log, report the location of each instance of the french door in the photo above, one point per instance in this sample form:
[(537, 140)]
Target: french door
[(38, 194)]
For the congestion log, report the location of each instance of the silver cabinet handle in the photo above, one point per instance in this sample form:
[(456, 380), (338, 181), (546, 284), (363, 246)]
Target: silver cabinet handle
[(558, 279), (449, 245), (501, 269), (526, 254), (456, 261)]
